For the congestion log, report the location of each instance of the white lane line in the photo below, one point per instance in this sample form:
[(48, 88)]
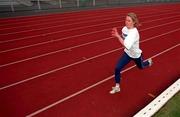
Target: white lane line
[(54, 52), (92, 86), (76, 63)]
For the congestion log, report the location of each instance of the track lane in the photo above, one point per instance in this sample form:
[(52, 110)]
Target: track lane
[(78, 54), (51, 84), (133, 93), (55, 45), (51, 30), (63, 24), (42, 39), (21, 44)]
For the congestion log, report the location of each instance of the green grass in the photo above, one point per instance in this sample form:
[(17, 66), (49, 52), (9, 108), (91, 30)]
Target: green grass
[(171, 108)]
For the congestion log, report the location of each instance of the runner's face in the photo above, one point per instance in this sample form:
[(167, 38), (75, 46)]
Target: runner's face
[(129, 22)]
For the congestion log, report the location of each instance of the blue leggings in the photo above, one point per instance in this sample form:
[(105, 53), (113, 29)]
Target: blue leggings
[(124, 60)]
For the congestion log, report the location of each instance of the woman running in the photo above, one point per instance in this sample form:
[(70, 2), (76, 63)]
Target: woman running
[(130, 40)]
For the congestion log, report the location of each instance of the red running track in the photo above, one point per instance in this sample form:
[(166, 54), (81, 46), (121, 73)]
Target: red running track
[(63, 64)]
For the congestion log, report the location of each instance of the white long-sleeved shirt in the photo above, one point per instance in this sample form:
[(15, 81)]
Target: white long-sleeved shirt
[(131, 42)]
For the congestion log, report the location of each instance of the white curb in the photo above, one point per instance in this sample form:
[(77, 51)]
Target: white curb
[(158, 102)]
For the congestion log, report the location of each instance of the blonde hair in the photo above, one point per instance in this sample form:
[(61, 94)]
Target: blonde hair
[(134, 18)]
